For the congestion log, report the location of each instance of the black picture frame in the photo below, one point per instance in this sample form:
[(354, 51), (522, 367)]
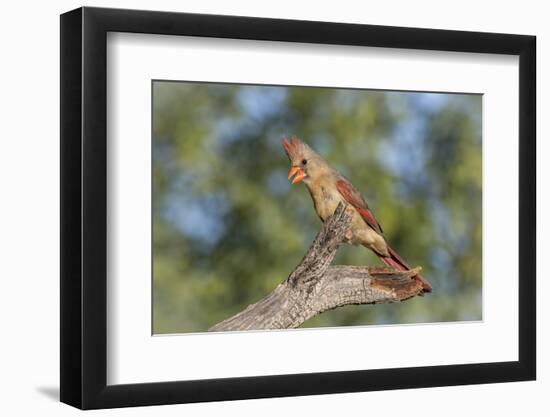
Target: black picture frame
[(84, 207)]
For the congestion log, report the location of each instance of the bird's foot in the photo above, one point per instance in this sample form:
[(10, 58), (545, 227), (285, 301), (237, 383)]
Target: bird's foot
[(348, 235)]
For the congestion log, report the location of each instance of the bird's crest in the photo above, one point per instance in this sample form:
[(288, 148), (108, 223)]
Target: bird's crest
[(294, 147)]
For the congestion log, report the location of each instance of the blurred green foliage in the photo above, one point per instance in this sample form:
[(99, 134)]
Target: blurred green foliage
[(228, 226)]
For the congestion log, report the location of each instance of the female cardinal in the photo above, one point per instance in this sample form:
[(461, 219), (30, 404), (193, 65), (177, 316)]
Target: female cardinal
[(328, 188)]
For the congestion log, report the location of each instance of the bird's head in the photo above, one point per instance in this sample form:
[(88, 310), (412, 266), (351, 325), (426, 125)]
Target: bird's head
[(305, 163)]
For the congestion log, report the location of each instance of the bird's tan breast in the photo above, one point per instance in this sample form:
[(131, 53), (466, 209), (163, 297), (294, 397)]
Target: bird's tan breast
[(326, 199), (325, 202)]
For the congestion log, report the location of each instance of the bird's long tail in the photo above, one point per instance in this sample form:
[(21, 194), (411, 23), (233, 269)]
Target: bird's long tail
[(395, 261)]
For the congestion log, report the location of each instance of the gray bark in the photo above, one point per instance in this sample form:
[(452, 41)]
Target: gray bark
[(314, 286)]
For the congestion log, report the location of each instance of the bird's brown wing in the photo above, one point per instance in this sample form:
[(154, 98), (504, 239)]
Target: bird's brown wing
[(353, 197)]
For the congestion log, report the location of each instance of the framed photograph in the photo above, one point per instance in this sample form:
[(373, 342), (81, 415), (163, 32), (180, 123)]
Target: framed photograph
[(257, 208)]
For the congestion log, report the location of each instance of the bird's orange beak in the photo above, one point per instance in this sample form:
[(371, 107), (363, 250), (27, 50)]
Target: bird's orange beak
[(298, 174)]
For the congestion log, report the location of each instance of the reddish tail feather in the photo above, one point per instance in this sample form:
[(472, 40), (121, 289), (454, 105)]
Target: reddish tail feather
[(395, 261)]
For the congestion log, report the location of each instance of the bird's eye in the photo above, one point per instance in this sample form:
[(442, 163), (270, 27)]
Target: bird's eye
[(304, 161)]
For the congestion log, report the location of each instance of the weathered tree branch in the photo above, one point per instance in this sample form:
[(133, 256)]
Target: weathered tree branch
[(315, 286)]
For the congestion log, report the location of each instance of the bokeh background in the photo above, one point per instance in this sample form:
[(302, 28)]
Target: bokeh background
[(228, 226)]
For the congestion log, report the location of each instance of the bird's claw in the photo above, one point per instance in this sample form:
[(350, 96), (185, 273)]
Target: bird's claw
[(348, 235)]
